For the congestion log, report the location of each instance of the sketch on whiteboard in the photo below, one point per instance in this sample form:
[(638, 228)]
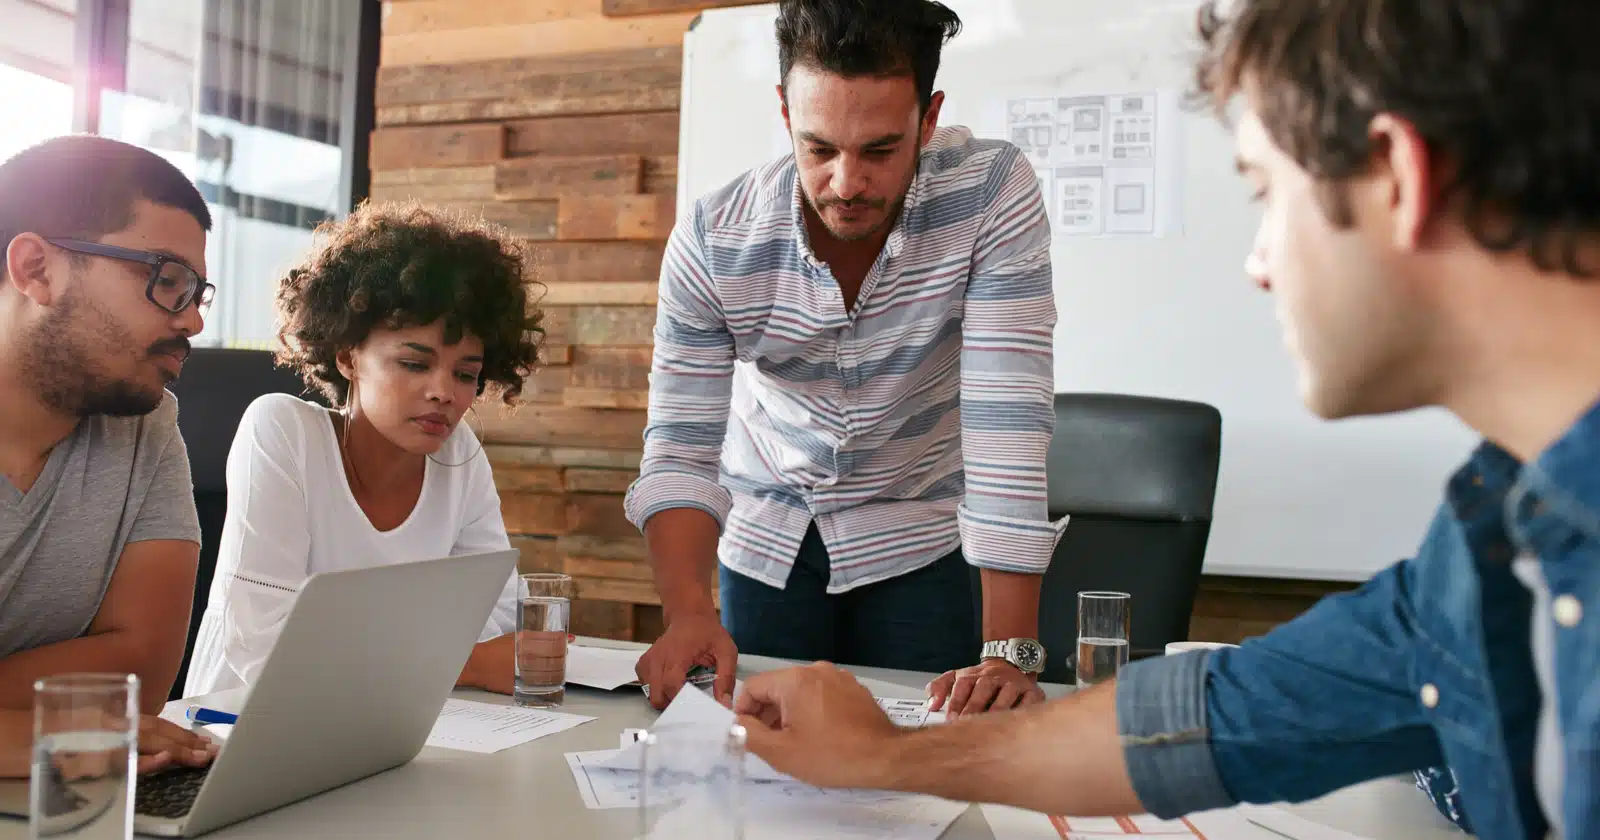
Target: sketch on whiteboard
[(1106, 162), (1030, 126)]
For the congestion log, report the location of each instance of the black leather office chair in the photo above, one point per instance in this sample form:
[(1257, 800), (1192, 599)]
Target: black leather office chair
[(1138, 476), (216, 387)]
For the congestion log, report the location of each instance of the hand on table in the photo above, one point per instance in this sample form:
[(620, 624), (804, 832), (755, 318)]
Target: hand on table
[(818, 724), (690, 640), (990, 686)]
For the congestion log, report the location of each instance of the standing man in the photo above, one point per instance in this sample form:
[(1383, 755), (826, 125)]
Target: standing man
[(1430, 191), (101, 286), (851, 396)]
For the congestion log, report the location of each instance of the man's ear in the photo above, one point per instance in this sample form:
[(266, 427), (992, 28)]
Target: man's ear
[(783, 108), (27, 268), (930, 120)]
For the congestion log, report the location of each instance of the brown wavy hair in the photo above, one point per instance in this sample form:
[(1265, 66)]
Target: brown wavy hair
[(405, 264), (1505, 92)]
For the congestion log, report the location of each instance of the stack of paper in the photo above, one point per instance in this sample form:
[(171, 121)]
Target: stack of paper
[(1246, 822), (603, 668), (776, 806), (487, 728)]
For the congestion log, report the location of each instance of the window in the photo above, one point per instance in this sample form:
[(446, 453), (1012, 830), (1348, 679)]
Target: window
[(264, 105)]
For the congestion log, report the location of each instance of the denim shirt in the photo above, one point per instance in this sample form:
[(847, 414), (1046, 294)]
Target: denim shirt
[(1429, 664)]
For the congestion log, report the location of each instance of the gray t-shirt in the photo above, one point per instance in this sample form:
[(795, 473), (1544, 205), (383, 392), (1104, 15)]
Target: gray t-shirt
[(113, 481)]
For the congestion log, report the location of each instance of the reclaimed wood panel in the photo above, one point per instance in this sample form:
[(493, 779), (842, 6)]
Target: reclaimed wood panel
[(583, 480), (653, 133), (630, 548), (541, 514), (527, 219), (647, 217), (527, 178), (603, 619), (538, 554), (424, 16), (603, 83), (615, 326), (449, 183), (597, 262), (453, 145), (624, 8), (605, 294), (597, 514), (560, 426), (661, 175), (565, 36), (615, 569), (605, 398), (529, 479), (611, 368), (565, 456)]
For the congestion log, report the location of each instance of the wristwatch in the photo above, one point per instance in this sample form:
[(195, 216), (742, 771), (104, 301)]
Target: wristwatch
[(1026, 654)]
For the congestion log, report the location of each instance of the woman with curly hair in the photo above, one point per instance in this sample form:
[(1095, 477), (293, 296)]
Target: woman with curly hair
[(401, 317)]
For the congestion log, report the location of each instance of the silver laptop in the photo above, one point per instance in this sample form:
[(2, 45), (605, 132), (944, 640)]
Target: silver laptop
[(353, 687)]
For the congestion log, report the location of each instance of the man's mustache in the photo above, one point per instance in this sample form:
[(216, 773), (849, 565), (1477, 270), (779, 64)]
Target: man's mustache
[(178, 347), (856, 203)]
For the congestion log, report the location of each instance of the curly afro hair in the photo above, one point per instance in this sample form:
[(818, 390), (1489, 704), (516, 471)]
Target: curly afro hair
[(396, 265)]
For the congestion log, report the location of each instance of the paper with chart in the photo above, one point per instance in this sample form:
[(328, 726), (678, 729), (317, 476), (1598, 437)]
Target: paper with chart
[(1106, 163), (1246, 822), (693, 708), (487, 728), (785, 810)]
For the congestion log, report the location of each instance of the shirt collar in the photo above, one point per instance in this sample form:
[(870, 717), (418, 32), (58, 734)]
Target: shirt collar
[(1566, 476)]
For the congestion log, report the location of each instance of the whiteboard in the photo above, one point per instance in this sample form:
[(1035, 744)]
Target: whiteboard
[(1169, 316)]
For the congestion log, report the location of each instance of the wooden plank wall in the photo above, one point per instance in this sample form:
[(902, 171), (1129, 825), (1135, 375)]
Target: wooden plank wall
[(558, 119)]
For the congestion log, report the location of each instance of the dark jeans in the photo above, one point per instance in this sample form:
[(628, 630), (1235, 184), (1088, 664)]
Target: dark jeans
[(919, 621)]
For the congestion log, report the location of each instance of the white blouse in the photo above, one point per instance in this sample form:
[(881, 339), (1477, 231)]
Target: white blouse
[(291, 515)]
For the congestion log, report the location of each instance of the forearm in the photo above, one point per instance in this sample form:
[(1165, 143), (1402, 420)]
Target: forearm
[(683, 554), (16, 743), (114, 651), (1063, 757), (1010, 605)]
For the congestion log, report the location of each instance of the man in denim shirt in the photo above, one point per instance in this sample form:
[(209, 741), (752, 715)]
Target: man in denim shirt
[(1430, 186)]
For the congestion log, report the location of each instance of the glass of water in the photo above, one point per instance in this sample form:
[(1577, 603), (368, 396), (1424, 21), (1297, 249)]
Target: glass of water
[(85, 744), (1103, 621), (692, 783), (543, 616)]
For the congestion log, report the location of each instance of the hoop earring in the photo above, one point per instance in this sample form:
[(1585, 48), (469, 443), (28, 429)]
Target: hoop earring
[(473, 410), (347, 411)]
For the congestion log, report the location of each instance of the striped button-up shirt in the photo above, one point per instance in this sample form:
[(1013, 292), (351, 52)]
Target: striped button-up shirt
[(915, 424)]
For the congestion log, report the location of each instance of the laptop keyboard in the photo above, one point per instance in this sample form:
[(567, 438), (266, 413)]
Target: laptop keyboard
[(170, 793)]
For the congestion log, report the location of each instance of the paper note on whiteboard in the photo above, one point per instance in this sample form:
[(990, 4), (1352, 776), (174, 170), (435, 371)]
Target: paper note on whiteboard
[(1107, 164)]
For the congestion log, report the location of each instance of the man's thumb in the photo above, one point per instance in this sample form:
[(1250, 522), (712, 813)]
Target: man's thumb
[(760, 738)]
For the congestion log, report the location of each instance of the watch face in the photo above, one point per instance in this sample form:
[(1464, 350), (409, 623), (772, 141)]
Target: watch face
[(1030, 655)]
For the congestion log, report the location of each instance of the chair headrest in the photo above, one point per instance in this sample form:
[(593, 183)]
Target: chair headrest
[(1131, 456)]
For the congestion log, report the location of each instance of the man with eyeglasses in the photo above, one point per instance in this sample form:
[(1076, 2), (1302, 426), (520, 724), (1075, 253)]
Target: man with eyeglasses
[(101, 287)]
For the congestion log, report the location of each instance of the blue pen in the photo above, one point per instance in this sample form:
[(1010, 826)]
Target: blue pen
[(202, 715)]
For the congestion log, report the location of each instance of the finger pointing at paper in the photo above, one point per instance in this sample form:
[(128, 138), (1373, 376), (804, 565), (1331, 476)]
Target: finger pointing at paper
[(818, 724)]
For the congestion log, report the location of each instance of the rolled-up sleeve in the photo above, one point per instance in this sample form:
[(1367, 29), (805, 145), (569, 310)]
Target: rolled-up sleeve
[(691, 382), (1008, 381), (1318, 704)]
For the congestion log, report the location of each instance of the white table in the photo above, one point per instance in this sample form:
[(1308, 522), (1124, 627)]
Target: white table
[(528, 791)]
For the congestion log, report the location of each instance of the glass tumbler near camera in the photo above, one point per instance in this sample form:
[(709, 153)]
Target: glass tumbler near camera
[(85, 745), (1103, 622), (544, 615), (692, 783)]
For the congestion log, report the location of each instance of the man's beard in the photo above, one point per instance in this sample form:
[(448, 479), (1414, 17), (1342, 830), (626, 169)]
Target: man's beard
[(888, 219), (59, 355)]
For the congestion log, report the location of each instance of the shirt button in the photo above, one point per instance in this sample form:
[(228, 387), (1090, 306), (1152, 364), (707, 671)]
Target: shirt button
[(1568, 611), (1430, 695)]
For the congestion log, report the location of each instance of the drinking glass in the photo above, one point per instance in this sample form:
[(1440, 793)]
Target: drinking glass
[(1103, 620), (544, 614), (692, 783), (85, 744)]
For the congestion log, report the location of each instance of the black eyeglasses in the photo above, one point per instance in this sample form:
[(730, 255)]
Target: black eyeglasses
[(173, 285)]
